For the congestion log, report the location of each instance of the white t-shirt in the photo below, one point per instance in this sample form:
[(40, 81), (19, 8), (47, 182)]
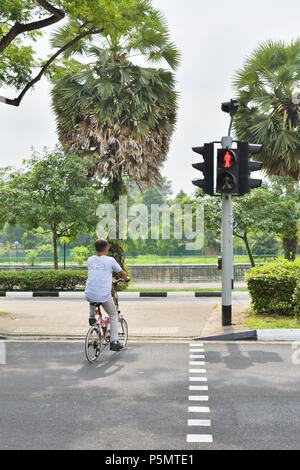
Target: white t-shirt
[(98, 284)]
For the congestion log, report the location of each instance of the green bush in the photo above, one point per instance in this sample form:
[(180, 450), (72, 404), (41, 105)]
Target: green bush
[(272, 287), (297, 301), (44, 280), (31, 257), (80, 254)]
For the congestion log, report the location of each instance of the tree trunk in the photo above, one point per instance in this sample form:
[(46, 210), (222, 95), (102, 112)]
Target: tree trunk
[(245, 238), (55, 255), (290, 244)]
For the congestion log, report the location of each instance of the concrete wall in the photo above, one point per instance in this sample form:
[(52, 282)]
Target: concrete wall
[(160, 272)]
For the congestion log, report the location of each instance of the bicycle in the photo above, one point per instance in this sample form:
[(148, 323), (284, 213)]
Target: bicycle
[(98, 335)]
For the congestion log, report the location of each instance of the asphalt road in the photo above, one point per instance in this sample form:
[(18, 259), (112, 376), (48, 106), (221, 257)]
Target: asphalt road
[(150, 396)]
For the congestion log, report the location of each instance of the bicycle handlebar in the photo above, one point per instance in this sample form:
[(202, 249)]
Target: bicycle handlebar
[(120, 280)]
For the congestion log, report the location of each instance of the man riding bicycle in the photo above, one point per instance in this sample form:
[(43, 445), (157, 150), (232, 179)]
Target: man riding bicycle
[(98, 287)]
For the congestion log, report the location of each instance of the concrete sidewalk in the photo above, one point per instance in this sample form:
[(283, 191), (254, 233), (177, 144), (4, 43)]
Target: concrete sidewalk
[(183, 285), (178, 317)]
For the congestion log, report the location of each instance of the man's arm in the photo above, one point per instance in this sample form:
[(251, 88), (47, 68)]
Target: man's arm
[(124, 276)]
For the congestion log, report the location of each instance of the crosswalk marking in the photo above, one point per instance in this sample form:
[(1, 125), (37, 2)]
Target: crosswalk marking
[(199, 409), (194, 361), (199, 438), (198, 398), (199, 422), (198, 379), (198, 387)]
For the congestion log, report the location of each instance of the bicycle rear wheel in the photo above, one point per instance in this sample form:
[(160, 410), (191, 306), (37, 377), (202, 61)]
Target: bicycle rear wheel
[(122, 332), (92, 344)]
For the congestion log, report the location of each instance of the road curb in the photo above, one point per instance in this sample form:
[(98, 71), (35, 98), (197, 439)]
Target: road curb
[(291, 334), (288, 334), (80, 294), (238, 336)]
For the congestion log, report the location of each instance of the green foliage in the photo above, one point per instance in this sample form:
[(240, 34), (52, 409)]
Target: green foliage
[(48, 280), (31, 257), (141, 25), (51, 193), (271, 209), (266, 87), (297, 301), (272, 287), (44, 249), (79, 254)]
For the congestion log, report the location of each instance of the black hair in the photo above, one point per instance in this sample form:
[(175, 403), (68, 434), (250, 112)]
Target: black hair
[(100, 245)]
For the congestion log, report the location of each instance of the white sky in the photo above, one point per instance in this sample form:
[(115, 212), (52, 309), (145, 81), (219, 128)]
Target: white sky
[(214, 38)]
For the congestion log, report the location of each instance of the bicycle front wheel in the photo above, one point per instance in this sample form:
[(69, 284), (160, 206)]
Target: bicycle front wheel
[(122, 332), (92, 344)]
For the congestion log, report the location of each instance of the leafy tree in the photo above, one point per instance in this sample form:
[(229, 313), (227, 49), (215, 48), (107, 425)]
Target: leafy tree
[(81, 22), (51, 191), (31, 257), (270, 209)]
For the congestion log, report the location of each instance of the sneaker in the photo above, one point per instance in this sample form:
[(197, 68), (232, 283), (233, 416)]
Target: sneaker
[(115, 346), (92, 321)]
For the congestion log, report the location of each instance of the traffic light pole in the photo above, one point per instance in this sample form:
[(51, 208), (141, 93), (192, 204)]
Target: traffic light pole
[(227, 251)]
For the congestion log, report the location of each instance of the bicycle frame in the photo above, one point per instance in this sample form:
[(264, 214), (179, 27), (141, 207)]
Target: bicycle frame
[(104, 322), (100, 327)]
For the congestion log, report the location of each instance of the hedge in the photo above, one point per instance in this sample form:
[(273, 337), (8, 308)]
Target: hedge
[(48, 280), (45, 280), (297, 301), (273, 288)]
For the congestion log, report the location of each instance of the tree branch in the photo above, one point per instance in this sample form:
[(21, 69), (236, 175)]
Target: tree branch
[(20, 28), (17, 101)]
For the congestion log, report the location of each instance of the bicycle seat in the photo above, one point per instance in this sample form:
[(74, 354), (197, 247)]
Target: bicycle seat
[(97, 304)]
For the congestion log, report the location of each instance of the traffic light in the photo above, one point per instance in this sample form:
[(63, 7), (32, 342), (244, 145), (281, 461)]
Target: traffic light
[(227, 171), (207, 168), (231, 107), (247, 166)]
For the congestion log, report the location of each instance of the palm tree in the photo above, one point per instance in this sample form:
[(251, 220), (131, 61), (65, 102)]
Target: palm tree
[(122, 113), (119, 111), (269, 112)]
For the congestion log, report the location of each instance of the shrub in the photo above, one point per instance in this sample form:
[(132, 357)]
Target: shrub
[(272, 287), (297, 301), (43, 280), (31, 257), (79, 254)]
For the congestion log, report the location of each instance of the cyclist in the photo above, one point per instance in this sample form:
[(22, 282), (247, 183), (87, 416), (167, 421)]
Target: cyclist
[(98, 287)]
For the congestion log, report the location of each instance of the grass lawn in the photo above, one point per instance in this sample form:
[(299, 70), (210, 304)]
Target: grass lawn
[(172, 290), (255, 321), (155, 259)]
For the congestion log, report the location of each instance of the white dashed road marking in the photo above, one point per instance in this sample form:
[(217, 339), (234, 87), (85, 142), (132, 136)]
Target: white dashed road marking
[(198, 437)]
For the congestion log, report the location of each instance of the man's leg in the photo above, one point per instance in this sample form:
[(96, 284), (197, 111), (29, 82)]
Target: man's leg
[(92, 318), (110, 309)]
